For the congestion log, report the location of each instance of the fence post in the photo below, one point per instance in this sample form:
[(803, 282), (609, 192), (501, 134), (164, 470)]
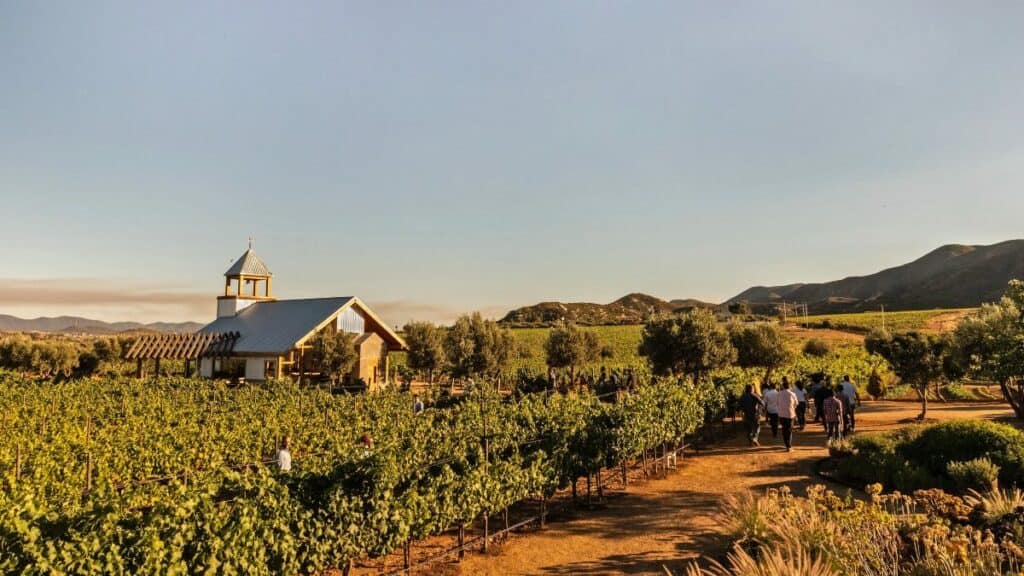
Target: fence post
[(506, 521), (625, 477), (17, 466), (543, 511), (88, 472), (590, 501), (487, 532), (408, 556), (462, 541)]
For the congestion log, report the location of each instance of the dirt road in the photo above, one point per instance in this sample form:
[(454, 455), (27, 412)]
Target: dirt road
[(667, 522)]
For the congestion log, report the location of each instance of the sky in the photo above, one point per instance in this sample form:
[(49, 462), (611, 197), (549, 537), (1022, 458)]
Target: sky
[(437, 157)]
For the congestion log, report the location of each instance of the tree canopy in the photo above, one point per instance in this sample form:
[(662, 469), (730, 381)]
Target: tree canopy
[(475, 346), (426, 347), (991, 344), (569, 346), (334, 354), (918, 359), (691, 344), (759, 346)]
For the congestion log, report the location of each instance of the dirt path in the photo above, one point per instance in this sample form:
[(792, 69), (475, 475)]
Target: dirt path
[(669, 521)]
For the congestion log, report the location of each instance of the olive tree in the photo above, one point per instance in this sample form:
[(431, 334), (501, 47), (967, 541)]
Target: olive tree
[(426, 348), (691, 344), (478, 347), (918, 359), (569, 346), (334, 354), (759, 346), (991, 344)]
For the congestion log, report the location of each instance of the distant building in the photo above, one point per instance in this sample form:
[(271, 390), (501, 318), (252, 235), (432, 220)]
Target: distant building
[(258, 337)]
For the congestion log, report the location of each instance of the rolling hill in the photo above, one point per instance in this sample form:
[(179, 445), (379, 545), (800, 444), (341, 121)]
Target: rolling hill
[(630, 309), (953, 276), (77, 324)]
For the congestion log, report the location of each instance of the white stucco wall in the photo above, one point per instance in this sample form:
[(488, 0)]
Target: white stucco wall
[(231, 306)]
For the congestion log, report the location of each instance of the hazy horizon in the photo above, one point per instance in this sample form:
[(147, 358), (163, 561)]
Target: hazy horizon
[(441, 158)]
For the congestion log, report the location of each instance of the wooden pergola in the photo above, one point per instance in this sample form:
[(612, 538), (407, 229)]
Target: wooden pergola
[(185, 347)]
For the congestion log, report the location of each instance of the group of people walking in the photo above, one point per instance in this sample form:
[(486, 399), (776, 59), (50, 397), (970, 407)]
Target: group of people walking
[(785, 409)]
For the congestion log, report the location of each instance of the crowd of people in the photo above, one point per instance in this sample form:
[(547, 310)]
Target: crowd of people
[(784, 407)]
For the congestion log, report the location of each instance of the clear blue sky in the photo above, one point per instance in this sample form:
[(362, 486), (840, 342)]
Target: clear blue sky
[(437, 157)]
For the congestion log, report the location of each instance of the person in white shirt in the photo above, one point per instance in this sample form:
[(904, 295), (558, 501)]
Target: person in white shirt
[(801, 406), (851, 402), (284, 457), (771, 407), (786, 402)]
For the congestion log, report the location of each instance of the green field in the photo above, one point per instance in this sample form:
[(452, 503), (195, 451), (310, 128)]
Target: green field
[(847, 357), (894, 321)]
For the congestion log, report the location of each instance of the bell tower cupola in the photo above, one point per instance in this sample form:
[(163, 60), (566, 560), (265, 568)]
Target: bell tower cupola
[(245, 282)]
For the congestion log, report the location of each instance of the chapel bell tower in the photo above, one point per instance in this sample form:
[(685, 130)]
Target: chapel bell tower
[(247, 281)]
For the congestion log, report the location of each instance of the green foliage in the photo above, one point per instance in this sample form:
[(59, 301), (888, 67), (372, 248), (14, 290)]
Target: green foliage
[(334, 354), (478, 347), (816, 347), (864, 322), (691, 344), (216, 506), (918, 456), (919, 359), (759, 346), (990, 344), (426, 347), (979, 474), (569, 346), (876, 386)]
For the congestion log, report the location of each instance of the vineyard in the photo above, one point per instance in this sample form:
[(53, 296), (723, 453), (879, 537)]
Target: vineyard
[(846, 357), (863, 322), (174, 476)]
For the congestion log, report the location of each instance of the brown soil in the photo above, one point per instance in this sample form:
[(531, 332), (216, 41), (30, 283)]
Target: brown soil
[(947, 321), (668, 522)]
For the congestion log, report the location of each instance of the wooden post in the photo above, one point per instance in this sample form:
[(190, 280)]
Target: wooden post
[(156, 368), (644, 453), (506, 521), (600, 488), (138, 368), (543, 511), (17, 465), (625, 477), (462, 541), (88, 472), (487, 531), (188, 367), (407, 553), (589, 499)]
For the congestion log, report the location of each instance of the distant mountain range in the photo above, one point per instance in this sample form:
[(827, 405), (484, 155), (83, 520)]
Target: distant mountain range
[(953, 276), (630, 309), (75, 324)]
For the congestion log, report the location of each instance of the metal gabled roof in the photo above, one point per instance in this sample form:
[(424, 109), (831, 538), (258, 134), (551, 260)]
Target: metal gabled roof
[(249, 264), (277, 326)]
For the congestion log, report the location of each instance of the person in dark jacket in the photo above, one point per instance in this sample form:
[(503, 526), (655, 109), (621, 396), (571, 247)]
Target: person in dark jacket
[(752, 406)]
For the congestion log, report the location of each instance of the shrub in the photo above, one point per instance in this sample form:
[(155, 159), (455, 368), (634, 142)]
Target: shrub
[(816, 347), (964, 440), (876, 386), (979, 474)]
